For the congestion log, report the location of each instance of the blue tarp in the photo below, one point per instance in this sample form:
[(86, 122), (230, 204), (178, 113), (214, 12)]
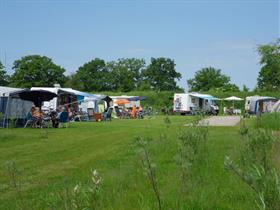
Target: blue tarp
[(137, 98)]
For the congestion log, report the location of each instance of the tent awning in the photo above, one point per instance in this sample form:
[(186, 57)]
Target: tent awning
[(6, 91), (204, 96)]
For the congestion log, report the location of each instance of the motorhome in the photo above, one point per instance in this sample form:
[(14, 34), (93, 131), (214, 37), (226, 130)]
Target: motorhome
[(192, 103)]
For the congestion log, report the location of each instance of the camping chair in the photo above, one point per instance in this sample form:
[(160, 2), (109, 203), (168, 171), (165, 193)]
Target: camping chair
[(90, 113), (63, 119), (46, 121), (118, 112), (140, 115), (107, 116), (30, 120)]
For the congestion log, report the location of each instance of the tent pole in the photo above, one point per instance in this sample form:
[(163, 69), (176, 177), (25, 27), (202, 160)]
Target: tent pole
[(6, 113)]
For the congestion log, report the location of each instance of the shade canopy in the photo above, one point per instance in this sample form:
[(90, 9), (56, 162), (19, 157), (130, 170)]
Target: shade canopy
[(122, 101), (233, 98), (36, 96)]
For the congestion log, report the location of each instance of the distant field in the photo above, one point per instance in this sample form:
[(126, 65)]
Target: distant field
[(52, 163)]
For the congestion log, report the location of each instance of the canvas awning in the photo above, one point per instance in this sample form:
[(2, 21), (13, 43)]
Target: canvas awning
[(5, 91), (204, 96)]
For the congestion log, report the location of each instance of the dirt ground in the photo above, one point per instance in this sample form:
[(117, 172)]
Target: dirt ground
[(221, 121)]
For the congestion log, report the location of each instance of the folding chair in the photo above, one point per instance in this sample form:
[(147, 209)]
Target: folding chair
[(29, 120), (63, 119), (107, 116)]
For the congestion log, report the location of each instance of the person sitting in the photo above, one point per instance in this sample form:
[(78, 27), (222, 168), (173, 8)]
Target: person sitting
[(71, 114), (140, 112), (133, 112), (36, 115), (54, 119)]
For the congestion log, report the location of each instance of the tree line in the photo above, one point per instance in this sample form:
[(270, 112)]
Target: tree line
[(129, 74)]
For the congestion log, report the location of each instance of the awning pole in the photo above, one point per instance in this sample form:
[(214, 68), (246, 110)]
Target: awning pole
[(5, 117)]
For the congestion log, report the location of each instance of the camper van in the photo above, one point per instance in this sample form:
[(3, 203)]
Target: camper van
[(262, 104), (192, 103)]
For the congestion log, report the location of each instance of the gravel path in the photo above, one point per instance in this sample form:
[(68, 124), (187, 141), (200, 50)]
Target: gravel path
[(221, 121)]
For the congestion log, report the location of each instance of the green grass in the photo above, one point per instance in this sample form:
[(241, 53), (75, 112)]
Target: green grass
[(269, 121), (50, 165)]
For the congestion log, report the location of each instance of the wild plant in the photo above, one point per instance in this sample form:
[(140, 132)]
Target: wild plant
[(256, 168), (15, 183), (1, 119), (87, 196), (12, 122), (45, 133), (243, 128), (149, 167), (191, 149), (167, 121)]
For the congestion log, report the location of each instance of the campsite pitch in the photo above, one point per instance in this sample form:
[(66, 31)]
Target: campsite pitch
[(51, 163)]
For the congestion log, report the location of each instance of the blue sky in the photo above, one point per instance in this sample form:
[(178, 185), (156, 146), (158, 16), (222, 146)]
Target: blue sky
[(195, 33)]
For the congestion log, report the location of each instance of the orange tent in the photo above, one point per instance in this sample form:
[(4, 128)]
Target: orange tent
[(122, 101)]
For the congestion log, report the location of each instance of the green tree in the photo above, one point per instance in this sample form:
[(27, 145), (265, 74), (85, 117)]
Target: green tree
[(4, 78), (36, 70), (269, 75), (161, 74), (92, 76), (245, 89), (211, 78), (126, 74)]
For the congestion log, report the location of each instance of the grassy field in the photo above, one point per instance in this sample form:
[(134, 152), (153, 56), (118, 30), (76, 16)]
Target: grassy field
[(49, 163)]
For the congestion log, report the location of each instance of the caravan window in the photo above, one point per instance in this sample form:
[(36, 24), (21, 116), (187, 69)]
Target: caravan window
[(178, 103), (193, 100)]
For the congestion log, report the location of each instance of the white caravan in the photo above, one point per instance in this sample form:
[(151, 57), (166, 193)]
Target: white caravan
[(191, 103), (255, 104)]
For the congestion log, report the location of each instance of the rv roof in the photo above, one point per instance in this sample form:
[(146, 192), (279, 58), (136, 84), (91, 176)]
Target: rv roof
[(203, 96), (260, 97)]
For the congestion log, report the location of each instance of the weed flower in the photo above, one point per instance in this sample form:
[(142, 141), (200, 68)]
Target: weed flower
[(77, 189)]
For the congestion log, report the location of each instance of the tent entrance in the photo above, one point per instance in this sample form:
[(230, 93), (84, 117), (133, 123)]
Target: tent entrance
[(200, 103)]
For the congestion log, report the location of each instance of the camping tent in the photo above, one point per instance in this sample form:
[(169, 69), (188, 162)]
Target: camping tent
[(276, 107), (11, 106), (74, 98), (92, 101)]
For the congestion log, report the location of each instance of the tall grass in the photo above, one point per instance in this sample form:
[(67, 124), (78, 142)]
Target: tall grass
[(256, 168), (268, 121)]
